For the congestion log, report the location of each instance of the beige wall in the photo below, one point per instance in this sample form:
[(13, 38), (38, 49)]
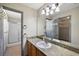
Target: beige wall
[(30, 17)]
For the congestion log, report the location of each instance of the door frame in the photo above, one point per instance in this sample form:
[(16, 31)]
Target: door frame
[(11, 9)]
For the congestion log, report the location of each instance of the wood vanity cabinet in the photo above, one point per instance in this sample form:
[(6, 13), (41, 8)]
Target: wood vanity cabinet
[(39, 53), (28, 48), (33, 51)]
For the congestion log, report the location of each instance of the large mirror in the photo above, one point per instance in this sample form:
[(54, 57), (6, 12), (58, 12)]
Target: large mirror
[(59, 30)]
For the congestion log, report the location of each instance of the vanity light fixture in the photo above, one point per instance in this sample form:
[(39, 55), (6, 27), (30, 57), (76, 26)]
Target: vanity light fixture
[(53, 6), (49, 10)]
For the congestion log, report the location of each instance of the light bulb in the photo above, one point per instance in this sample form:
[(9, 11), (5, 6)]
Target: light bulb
[(68, 17), (53, 6), (43, 12), (51, 12), (47, 9), (57, 9)]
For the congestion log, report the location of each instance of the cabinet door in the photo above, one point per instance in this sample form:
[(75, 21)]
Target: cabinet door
[(39, 53), (34, 50), (29, 50)]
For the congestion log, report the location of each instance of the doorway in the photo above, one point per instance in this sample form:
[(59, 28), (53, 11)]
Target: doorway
[(13, 31)]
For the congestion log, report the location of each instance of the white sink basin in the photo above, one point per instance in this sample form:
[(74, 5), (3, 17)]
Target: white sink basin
[(42, 44)]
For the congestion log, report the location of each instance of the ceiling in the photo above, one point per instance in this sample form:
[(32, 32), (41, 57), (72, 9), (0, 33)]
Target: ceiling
[(65, 6), (68, 6), (35, 6)]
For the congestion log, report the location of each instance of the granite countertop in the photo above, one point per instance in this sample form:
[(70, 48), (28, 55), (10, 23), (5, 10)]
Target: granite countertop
[(55, 50)]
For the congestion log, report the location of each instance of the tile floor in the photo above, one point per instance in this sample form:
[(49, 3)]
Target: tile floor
[(13, 50)]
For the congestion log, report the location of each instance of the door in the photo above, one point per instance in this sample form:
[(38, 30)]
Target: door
[(13, 32), (64, 29)]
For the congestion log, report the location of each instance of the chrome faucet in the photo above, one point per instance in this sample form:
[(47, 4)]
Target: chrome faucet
[(45, 39)]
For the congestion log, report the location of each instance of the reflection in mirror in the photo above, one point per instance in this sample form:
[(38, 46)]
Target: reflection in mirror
[(58, 28), (51, 29), (59, 31), (64, 28)]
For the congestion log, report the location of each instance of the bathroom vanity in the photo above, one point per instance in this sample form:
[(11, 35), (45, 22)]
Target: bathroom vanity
[(32, 50), (54, 50)]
